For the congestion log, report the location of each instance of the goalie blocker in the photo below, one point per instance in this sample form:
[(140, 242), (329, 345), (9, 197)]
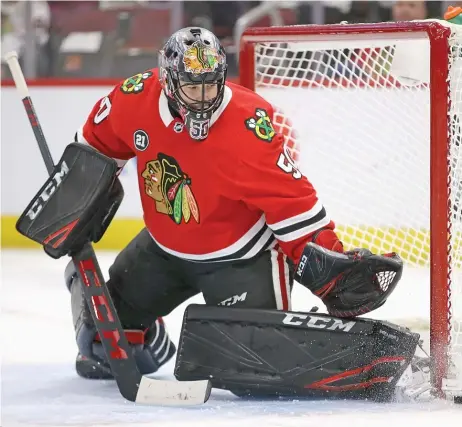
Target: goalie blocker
[(274, 353), (76, 204)]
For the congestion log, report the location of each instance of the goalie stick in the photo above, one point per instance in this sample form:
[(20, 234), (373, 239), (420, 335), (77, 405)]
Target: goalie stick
[(132, 385)]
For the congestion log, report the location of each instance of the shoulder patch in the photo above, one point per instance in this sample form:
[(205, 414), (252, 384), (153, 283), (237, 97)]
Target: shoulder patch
[(135, 84), (261, 125)]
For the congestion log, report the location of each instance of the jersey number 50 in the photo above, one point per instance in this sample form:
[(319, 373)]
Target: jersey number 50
[(198, 129), (103, 112), (286, 163)]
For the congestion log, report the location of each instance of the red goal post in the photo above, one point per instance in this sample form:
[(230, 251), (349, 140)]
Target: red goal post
[(376, 110)]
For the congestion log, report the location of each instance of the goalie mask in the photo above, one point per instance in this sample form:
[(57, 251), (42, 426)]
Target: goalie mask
[(192, 74)]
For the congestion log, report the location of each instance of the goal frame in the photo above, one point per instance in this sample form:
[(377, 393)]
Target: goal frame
[(438, 36)]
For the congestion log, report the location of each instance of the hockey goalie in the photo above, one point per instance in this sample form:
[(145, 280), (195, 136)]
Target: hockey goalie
[(229, 215)]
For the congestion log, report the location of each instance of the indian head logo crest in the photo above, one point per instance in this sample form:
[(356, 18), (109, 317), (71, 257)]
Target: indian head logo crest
[(200, 59), (169, 186)]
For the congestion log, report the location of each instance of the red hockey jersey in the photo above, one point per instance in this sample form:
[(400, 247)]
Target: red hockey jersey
[(230, 196)]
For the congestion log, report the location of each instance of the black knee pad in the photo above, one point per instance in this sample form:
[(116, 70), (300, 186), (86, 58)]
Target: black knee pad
[(80, 312), (152, 346), (156, 350), (70, 274), (84, 327)]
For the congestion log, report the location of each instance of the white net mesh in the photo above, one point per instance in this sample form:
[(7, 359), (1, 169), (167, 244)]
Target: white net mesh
[(455, 203), (356, 114)]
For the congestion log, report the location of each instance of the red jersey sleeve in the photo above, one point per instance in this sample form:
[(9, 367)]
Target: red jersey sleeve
[(269, 180), (99, 130)]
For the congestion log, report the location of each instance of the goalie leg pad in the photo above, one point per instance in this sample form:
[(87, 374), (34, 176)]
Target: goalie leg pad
[(268, 352)]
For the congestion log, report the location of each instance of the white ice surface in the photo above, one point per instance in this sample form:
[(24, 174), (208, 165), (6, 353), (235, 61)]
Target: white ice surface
[(40, 388)]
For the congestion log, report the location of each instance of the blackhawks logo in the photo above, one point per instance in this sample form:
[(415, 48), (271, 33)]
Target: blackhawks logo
[(199, 59), (135, 84), (169, 186), (261, 125)]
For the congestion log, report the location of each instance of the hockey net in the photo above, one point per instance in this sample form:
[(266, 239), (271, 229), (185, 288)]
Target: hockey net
[(371, 114)]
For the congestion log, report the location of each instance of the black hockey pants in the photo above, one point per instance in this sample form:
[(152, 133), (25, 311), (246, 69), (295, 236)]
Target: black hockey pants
[(147, 282)]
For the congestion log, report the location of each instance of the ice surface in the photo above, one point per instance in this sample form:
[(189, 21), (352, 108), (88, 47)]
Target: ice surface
[(40, 388)]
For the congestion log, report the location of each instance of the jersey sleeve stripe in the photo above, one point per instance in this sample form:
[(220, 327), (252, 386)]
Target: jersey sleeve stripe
[(297, 218), (304, 230), (321, 215)]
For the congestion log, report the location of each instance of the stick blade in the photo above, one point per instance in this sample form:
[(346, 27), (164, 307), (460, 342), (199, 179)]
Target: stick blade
[(173, 393)]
